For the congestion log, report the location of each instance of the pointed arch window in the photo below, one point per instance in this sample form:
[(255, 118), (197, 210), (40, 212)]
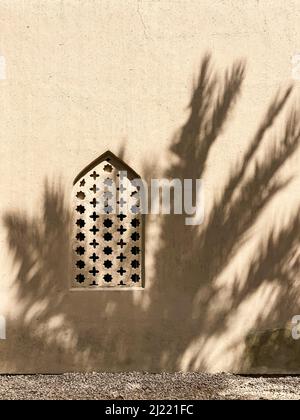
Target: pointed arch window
[(108, 243)]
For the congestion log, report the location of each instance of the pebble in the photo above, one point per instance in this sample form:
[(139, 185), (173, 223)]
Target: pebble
[(133, 385)]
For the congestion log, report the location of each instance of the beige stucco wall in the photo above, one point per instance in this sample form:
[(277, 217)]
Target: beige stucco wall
[(83, 77)]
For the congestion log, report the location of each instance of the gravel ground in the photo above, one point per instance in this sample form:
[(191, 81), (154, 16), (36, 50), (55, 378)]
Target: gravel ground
[(147, 386)]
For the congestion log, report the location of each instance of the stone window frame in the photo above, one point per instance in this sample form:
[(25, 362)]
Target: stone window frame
[(117, 162)]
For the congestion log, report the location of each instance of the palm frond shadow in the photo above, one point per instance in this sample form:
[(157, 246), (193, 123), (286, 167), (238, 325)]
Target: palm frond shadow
[(83, 331)]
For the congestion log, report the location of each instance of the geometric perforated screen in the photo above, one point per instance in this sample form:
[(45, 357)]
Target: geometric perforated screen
[(107, 227)]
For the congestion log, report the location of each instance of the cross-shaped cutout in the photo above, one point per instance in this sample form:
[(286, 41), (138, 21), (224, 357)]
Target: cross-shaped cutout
[(94, 257), (94, 283), (94, 230), (121, 188), (94, 243), (82, 183), (94, 189), (94, 175), (121, 243), (121, 271), (94, 216), (121, 202), (94, 271), (121, 230), (108, 182), (94, 202), (121, 257), (121, 216)]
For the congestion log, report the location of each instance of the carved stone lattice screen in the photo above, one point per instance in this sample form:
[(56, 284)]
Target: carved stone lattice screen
[(108, 227)]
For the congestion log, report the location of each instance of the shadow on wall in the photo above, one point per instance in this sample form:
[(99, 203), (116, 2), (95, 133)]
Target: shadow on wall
[(187, 321)]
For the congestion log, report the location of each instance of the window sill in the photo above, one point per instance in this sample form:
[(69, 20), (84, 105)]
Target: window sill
[(106, 289)]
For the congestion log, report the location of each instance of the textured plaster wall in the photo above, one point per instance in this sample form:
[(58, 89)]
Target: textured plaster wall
[(86, 76)]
